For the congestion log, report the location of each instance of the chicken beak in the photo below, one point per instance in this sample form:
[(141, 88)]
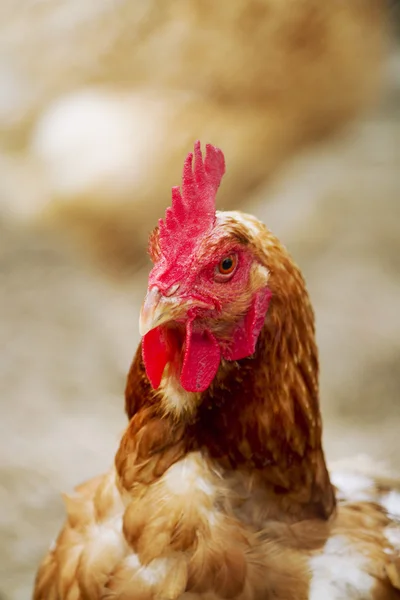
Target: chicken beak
[(154, 311), (158, 309)]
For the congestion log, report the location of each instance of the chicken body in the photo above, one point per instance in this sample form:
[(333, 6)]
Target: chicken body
[(184, 540), (220, 487)]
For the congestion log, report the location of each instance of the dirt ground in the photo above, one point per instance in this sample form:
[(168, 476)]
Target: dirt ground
[(68, 334)]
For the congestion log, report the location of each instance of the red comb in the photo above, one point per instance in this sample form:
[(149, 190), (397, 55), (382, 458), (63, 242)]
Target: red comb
[(193, 211)]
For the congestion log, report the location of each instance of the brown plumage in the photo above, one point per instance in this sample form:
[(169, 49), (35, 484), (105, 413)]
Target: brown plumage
[(224, 493)]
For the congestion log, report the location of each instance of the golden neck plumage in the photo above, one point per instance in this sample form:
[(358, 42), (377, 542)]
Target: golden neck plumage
[(259, 417)]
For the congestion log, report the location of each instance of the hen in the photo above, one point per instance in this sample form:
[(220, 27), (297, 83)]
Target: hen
[(220, 487)]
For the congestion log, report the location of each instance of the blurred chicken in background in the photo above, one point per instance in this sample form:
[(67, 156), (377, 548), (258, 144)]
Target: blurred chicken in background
[(100, 101)]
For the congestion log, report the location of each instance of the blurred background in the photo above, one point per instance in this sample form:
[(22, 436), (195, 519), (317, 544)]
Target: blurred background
[(100, 101)]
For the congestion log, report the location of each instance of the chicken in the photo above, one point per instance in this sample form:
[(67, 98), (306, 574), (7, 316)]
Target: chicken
[(220, 487)]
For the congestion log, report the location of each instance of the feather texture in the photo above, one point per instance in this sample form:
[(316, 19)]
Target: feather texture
[(226, 493)]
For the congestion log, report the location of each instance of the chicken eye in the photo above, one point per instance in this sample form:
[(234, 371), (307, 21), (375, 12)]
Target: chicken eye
[(226, 266)]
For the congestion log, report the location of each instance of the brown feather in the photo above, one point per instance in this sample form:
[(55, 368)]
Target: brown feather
[(231, 499)]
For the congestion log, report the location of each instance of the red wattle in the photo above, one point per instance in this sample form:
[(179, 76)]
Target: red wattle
[(246, 334), (202, 354), (201, 360), (155, 356)]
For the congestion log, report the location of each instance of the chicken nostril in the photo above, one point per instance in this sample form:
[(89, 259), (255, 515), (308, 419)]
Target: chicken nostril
[(174, 288)]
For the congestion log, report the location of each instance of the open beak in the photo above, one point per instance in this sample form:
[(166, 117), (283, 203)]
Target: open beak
[(158, 309)]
